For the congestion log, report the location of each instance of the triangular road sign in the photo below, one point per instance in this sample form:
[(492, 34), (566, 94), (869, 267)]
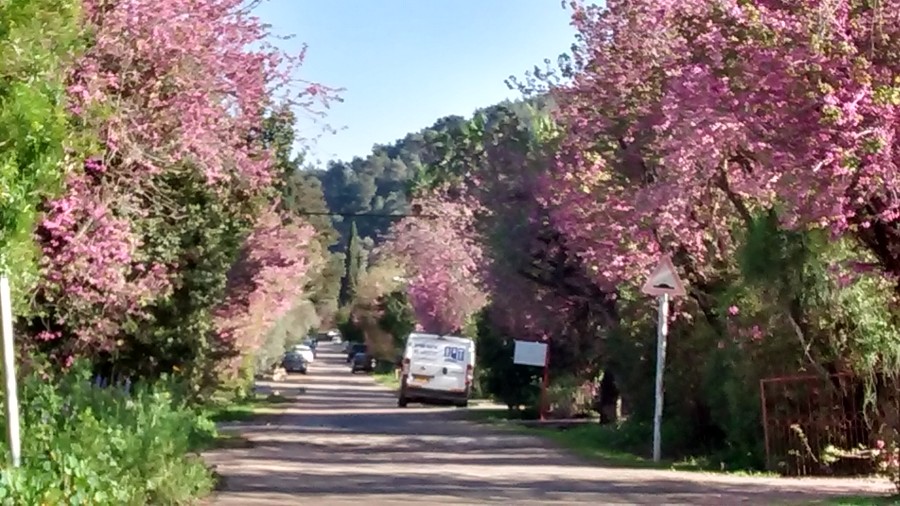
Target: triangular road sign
[(664, 280)]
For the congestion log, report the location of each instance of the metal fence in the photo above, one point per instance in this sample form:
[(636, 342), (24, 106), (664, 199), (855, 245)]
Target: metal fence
[(814, 425)]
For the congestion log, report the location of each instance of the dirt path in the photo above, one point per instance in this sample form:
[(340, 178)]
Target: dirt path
[(345, 442)]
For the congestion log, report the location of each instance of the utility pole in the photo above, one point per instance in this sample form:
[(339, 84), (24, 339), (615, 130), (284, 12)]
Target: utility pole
[(13, 438)]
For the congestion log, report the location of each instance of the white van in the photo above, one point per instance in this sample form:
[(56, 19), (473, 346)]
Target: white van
[(437, 369)]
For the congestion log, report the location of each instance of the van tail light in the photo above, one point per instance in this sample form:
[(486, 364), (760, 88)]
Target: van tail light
[(405, 368), (470, 374)]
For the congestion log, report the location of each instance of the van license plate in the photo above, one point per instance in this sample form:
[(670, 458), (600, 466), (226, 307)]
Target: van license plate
[(418, 378)]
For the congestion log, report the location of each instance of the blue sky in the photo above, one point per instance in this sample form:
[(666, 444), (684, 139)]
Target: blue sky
[(406, 63)]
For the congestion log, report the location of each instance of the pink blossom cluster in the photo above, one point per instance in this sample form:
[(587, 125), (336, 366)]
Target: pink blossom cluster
[(443, 260), (186, 81), (887, 460), (94, 274), (683, 116), (525, 309), (169, 87), (266, 282)]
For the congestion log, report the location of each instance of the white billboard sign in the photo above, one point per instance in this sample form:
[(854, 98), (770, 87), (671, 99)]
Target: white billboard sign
[(530, 353)]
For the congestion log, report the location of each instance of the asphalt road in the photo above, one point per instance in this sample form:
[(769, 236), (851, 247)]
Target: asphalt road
[(345, 441)]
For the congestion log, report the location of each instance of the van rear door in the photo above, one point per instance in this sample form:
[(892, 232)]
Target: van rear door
[(438, 364)]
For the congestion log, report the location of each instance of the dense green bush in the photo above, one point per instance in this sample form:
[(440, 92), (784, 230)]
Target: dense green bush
[(569, 396), (83, 444), (349, 329), (397, 317), (497, 376)]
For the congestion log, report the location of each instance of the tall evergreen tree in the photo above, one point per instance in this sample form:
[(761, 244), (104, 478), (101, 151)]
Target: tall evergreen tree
[(352, 266)]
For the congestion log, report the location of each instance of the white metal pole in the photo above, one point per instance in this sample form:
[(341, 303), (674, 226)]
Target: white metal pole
[(662, 332), (9, 372)]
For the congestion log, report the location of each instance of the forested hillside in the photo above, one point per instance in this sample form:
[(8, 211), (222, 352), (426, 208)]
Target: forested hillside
[(379, 184)]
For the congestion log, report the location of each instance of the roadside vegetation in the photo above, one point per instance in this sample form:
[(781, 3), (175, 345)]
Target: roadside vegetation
[(388, 379), (88, 444), (226, 409), (543, 217), (859, 501), (155, 226), (150, 232), (621, 445)]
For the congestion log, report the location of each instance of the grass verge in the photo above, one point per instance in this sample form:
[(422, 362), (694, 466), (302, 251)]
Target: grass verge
[(245, 409), (860, 501), (601, 444), (387, 379), (496, 416), (606, 445)]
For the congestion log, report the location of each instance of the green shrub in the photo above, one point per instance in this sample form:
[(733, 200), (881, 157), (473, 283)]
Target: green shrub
[(385, 367), (569, 397), (349, 329), (497, 376), (397, 317), (83, 444)]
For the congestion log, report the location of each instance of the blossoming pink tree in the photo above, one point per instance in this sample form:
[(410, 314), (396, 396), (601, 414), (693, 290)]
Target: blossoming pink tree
[(265, 283), (93, 261), (166, 94), (688, 123), (443, 262), (685, 116)]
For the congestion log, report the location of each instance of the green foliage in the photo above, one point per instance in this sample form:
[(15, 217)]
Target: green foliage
[(382, 182), (348, 328), (497, 376), (203, 241), (243, 408), (91, 445), (302, 194), (845, 314), (291, 329), (397, 317), (353, 264), (862, 500), (779, 310), (627, 445), (37, 39), (568, 397)]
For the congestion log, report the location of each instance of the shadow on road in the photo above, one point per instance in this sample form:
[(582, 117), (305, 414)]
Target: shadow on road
[(344, 440)]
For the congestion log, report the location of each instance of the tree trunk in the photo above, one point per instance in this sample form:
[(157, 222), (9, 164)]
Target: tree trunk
[(609, 398)]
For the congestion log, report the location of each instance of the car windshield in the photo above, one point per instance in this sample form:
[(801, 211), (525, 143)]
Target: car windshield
[(359, 347)]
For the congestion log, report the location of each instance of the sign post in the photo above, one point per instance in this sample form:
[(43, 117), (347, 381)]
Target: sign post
[(663, 283), (9, 373), (535, 354), (545, 384)]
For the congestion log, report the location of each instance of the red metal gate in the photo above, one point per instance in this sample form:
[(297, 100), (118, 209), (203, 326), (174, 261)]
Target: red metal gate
[(813, 423)]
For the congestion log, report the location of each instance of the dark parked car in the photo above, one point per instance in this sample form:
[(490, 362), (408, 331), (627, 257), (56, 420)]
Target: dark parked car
[(354, 349), (363, 362), (294, 362)]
